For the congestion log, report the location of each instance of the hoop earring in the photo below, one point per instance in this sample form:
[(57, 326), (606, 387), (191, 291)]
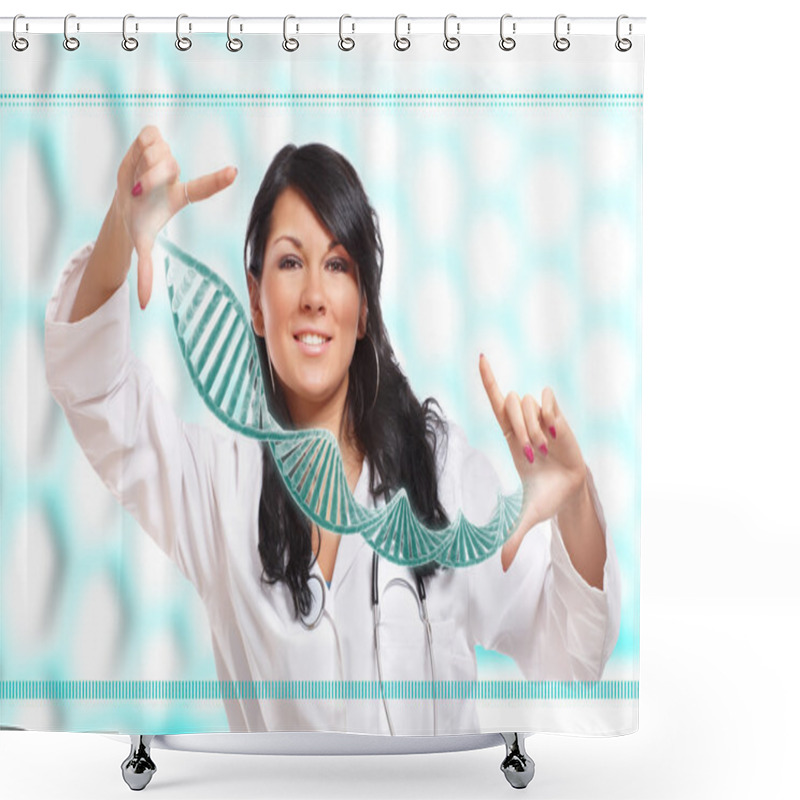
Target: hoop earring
[(378, 371)]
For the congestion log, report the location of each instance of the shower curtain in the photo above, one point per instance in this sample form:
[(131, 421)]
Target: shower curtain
[(465, 237)]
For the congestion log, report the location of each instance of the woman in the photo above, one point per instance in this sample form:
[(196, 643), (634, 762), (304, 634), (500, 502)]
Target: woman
[(216, 505)]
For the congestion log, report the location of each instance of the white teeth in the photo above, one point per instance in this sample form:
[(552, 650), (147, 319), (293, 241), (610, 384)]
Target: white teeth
[(308, 338)]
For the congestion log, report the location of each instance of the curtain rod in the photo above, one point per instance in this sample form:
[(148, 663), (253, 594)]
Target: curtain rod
[(189, 24)]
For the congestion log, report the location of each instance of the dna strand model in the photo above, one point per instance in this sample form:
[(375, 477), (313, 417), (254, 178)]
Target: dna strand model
[(217, 344)]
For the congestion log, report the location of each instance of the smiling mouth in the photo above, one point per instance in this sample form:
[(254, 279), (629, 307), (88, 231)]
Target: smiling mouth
[(313, 345), (312, 340)]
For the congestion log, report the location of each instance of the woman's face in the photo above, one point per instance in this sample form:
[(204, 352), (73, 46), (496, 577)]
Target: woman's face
[(309, 308)]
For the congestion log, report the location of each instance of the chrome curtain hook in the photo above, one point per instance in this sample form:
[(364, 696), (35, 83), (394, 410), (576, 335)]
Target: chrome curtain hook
[(182, 42), (561, 43), (290, 45), (19, 43), (623, 45), (70, 42), (346, 43), (401, 43), (506, 42), (451, 42), (234, 45), (128, 42)]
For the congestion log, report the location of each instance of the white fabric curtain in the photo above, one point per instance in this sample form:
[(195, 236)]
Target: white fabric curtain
[(506, 184)]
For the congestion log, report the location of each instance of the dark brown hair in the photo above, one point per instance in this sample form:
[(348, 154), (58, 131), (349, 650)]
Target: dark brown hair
[(398, 434)]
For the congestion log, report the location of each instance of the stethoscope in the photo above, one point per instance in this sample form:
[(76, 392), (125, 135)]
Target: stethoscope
[(313, 619)]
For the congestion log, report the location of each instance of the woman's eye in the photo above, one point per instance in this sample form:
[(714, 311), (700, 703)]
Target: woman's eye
[(290, 262)]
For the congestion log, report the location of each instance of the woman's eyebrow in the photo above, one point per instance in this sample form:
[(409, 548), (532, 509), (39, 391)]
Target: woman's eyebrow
[(299, 245)]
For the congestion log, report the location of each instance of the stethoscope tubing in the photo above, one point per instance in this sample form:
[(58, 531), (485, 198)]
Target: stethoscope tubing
[(422, 607)]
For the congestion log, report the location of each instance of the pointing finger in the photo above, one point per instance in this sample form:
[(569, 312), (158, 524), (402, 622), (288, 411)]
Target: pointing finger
[(206, 185), (495, 395)]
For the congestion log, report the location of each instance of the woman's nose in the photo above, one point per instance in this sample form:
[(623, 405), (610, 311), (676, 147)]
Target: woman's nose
[(313, 294)]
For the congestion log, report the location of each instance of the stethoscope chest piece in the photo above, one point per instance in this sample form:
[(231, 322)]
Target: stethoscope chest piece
[(312, 619)]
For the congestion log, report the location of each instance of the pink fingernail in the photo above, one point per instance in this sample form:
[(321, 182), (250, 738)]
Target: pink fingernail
[(137, 190), (552, 431), (529, 453), (543, 448)]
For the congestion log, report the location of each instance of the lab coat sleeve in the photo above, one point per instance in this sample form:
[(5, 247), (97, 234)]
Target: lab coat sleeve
[(541, 612), (167, 474)]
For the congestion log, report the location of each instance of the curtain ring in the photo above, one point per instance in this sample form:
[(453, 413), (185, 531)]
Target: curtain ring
[(128, 42), (183, 43), (234, 45), (70, 42), (561, 43), (18, 43), (290, 45), (451, 42), (401, 43), (346, 43), (623, 45), (506, 42)]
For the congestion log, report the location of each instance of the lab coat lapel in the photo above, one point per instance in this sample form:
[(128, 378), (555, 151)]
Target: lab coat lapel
[(351, 544)]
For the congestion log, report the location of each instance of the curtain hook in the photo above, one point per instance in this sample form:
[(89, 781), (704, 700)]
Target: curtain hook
[(401, 43), (451, 42), (183, 43), (506, 42), (19, 43), (70, 42), (561, 43), (290, 45), (346, 43), (128, 42), (234, 45), (623, 45)]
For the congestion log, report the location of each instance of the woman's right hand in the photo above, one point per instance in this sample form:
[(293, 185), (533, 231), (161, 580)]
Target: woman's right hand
[(149, 193)]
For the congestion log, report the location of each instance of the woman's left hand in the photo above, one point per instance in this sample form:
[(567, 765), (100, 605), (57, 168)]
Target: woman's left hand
[(545, 453)]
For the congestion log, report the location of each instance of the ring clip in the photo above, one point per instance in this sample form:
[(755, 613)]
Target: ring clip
[(70, 42), (234, 45), (451, 42), (561, 43), (19, 43), (290, 45), (506, 42), (401, 43), (623, 45), (128, 42), (183, 43), (346, 43)]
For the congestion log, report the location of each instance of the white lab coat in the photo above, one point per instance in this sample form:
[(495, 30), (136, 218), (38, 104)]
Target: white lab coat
[(196, 493)]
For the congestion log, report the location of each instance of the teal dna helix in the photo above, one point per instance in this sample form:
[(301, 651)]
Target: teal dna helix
[(218, 347)]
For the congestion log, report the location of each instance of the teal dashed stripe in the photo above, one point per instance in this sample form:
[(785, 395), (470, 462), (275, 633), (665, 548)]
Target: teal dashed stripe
[(319, 690), (477, 99)]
